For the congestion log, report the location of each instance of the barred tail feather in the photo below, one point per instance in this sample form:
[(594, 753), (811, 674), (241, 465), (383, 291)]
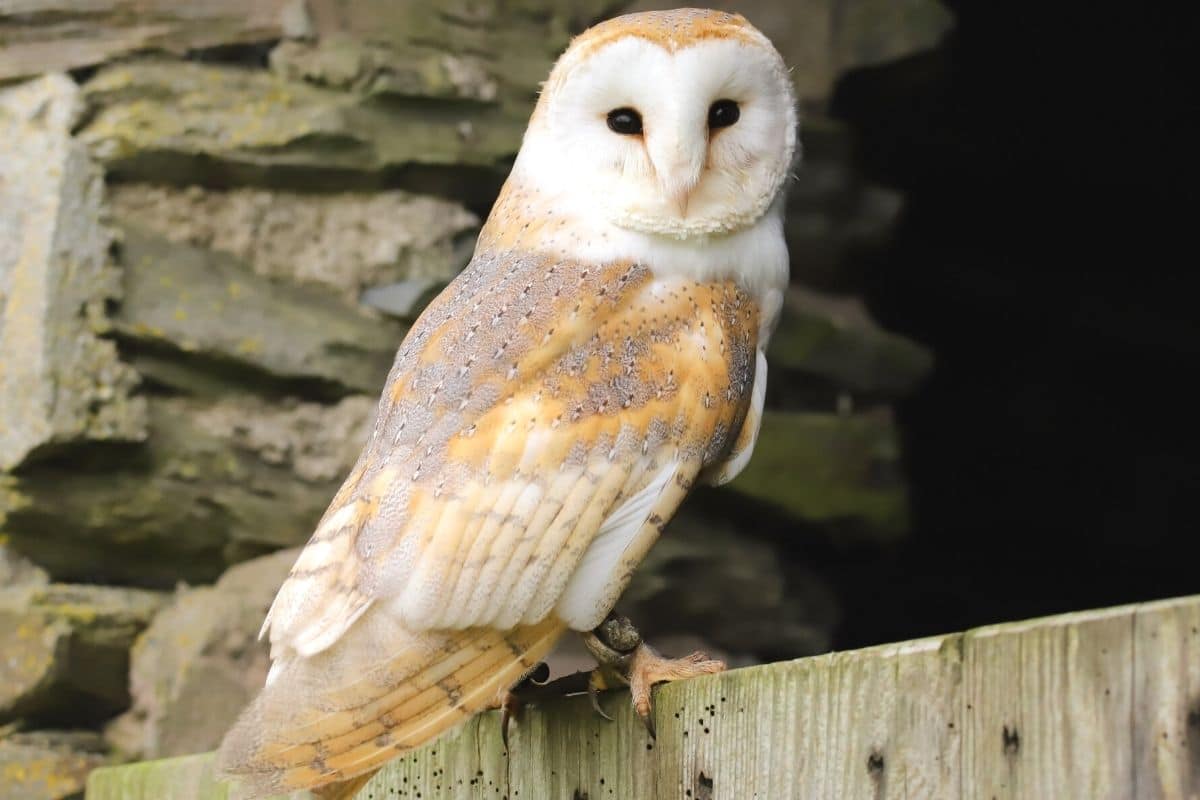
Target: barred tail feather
[(344, 712), (345, 790)]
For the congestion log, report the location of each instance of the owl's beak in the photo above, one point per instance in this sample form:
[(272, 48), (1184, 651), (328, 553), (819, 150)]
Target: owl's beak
[(678, 165), (677, 183), (679, 201)]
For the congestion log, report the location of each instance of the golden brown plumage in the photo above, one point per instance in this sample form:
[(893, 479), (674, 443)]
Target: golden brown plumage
[(529, 402), (542, 421)]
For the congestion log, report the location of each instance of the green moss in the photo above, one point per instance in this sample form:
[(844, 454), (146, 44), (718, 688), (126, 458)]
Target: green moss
[(834, 339), (830, 468)]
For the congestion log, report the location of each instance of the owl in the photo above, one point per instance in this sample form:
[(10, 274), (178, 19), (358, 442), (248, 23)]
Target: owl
[(545, 416)]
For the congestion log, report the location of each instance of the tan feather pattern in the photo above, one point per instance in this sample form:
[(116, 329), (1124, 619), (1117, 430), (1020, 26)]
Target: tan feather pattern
[(530, 401), (301, 733), (507, 434), (541, 423), (509, 431)]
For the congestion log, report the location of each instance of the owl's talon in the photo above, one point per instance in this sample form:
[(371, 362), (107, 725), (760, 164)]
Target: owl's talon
[(509, 701), (596, 684), (619, 649), (647, 668), (510, 706), (648, 721)]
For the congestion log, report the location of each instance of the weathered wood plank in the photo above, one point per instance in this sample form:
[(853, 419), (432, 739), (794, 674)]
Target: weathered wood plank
[(1166, 700), (925, 759), (1047, 708), (183, 778), (567, 750), (466, 764), (1101, 704)]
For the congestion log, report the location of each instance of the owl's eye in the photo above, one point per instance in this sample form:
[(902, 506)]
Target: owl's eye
[(626, 121), (723, 113)]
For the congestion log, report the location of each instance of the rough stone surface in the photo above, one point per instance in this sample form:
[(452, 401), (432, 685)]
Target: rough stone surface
[(218, 481), (58, 381), (189, 301), (868, 32), (713, 576), (203, 123), (403, 299), (199, 663), (834, 339), (839, 470), (48, 765), (341, 62), (518, 40), (369, 91), (835, 222), (345, 242), (64, 649), (17, 570), (39, 36), (821, 39)]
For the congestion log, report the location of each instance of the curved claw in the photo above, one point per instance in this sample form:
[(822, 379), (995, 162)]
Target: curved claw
[(595, 684), (648, 721), (509, 707), (647, 668)]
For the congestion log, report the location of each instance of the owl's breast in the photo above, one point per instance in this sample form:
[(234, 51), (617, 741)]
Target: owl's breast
[(524, 364)]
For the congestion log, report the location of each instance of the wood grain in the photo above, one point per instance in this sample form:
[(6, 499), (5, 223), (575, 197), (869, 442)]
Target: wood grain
[(1166, 700), (1098, 705)]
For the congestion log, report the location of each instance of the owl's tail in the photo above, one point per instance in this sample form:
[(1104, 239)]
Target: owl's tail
[(341, 714), (345, 790)]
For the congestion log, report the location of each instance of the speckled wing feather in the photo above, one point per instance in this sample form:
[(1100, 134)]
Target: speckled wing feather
[(540, 416)]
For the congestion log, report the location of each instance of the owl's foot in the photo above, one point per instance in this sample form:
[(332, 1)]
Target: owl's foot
[(621, 654), (649, 668)]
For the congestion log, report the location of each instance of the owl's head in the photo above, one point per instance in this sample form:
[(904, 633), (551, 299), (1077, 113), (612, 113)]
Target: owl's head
[(677, 123)]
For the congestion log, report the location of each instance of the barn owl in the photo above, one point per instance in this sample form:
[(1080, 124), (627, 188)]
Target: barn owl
[(601, 353)]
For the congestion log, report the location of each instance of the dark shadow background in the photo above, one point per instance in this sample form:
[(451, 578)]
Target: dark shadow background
[(1046, 253)]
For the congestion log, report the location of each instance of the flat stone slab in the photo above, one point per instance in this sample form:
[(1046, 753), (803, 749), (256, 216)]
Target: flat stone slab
[(838, 469), (64, 649), (219, 481), (199, 662), (48, 765), (59, 382), (39, 36), (187, 122), (183, 301)]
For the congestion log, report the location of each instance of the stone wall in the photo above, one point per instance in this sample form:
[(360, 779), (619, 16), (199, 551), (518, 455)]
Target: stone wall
[(215, 228)]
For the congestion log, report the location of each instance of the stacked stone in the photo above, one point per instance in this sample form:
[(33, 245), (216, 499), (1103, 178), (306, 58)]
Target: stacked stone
[(215, 228)]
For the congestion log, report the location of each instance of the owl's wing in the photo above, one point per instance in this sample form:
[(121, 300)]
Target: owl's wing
[(539, 419), (540, 425)]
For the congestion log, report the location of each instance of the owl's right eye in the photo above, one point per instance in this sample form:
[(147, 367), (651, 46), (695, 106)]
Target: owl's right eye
[(625, 121)]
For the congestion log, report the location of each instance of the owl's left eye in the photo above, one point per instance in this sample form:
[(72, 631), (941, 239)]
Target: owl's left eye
[(723, 113), (626, 121)]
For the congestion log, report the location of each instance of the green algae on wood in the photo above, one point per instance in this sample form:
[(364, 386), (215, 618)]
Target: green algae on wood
[(183, 778)]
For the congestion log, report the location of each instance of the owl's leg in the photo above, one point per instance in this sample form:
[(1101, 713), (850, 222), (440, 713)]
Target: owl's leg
[(620, 652)]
